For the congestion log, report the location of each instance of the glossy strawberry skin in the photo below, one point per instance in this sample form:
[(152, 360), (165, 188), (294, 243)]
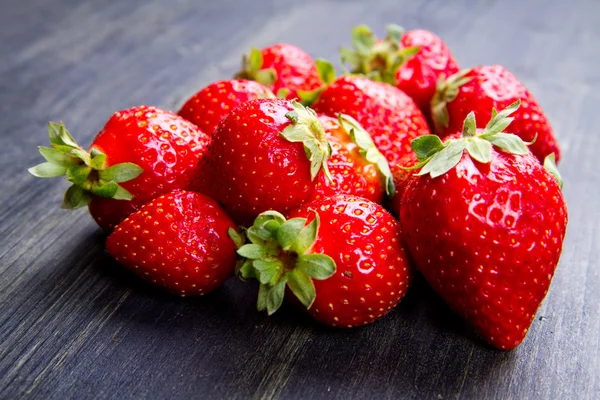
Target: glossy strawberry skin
[(495, 86), (179, 241), (351, 172), (250, 168), (390, 116), (372, 270), (210, 105), (295, 69), (488, 237), (419, 75), (163, 144)]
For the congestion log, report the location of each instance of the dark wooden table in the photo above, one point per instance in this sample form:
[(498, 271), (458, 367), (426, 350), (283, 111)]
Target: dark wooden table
[(73, 324)]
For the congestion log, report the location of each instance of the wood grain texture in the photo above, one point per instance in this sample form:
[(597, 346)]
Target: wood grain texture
[(73, 324)]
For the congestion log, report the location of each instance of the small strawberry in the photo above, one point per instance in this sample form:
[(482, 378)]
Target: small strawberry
[(141, 153), (349, 245), (482, 88), (285, 69), (355, 164), (485, 226), (210, 105), (391, 117), (413, 60), (264, 155), (181, 241)]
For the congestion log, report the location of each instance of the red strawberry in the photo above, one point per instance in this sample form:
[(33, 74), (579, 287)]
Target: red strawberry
[(413, 61), (485, 227), (264, 155), (482, 88), (284, 68), (350, 246), (390, 116), (355, 164), (210, 105), (179, 241), (149, 150)]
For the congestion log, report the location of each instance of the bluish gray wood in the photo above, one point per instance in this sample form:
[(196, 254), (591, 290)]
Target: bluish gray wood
[(73, 324)]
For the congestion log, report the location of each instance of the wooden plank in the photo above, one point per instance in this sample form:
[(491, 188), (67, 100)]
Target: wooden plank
[(75, 325)]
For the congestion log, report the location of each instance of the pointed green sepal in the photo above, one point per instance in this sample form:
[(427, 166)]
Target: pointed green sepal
[(284, 259), (76, 197), (446, 92), (252, 69), (550, 166), (306, 128), (367, 147)]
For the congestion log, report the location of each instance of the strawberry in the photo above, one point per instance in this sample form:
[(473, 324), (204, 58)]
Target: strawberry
[(355, 164), (482, 88), (485, 226), (285, 69), (350, 246), (413, 60), (179, 241), (210, 105), (149, 150), (390, 116), (264, 155)]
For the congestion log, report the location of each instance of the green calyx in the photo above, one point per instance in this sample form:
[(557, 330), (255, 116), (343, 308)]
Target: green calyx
[(436, 157), (363, 140), (252, 69), (278, 255), (306, 128), (86, 171), (446, 92), (550, 166), (326, 72), (377, 59)]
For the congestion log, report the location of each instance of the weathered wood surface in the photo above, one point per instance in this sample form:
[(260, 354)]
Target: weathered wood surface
[(75, 325)]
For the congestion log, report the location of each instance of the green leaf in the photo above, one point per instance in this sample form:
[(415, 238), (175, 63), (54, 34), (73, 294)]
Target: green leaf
[(550, 166), (469, 126), (247, 271), (446, 92), (444, 160), (57, 157), (78, 174), (309, 97), (238, 238), (76, 197), (266, 76), (98, 161), (302, 287), (267, 269), (275, 297), (283, 93), (254, 60), (508, 142), (479, 149), (351, 57), (263, 292), (326, 71), (363, 39), (121, 172), (394, 32), (105, 190), (288, 232), (307, 236), (426, 146), (306, 128), (122, 194), (252, 251), (500, 120), (317, 266), (48, 170)]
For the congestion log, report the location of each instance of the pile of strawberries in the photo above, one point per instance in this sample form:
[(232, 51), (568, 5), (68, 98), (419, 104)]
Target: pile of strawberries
[(330, 191)]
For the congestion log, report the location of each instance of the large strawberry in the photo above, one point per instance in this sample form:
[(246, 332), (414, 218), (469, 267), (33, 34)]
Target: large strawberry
[(349, 245), (413, 60), (264, 155), (181, 241), (141, 153), (355, 164), (485, 226), (485, 87), (285, 69), (390, 116), (210, 105)]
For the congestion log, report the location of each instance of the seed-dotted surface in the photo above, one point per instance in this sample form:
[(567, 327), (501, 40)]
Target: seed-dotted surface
[(73, 324)]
